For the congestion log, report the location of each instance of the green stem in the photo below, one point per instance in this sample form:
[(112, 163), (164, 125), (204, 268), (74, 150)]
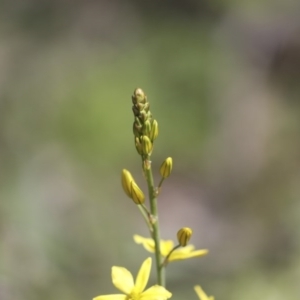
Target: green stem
[(146, 215), (165, 262), (155, 224), (160, 183)]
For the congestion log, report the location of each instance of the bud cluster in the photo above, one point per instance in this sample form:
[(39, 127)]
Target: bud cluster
[(145, 128)]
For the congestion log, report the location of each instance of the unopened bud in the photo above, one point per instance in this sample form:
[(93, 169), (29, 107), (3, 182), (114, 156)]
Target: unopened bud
[(143, 116), (135, 110), (146, 145), (131, 188), (135, 131), (137, 194), (140, 106), (138, 146), (147, 128), (139, 96), (154, 131), (147, 106), (166, 167), (126, 182), (184, 235)]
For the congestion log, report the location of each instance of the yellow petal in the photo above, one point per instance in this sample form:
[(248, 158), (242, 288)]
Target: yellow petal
[(179, 255), (166, 247), (143, 276), (111, 297), (201, 294), (122, 279), (186, 249), (156, 292), (147, 243)]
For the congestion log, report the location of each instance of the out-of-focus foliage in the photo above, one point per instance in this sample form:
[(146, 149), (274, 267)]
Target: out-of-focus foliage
[(222, 78)]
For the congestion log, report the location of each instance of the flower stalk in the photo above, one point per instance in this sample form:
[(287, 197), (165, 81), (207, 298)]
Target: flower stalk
[(145, 130), (155, 226)]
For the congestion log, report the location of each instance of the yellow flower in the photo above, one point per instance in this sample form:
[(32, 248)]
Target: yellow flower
[(201, 294), (123, 280), (166, 246)]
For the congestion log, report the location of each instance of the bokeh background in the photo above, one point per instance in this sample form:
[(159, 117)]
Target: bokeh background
[(223, 80)]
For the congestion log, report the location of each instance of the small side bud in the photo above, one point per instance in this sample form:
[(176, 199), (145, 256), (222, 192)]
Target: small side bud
[(137, 194), (131, 188), (138, 146), (143, 116), (166, 167), (146, 145), (126, 182), (135, 130), (136, 111), (147, 128), (184, 235), (154, 131)]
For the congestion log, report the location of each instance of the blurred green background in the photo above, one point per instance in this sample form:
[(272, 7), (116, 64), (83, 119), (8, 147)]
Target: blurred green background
[(223, 80)]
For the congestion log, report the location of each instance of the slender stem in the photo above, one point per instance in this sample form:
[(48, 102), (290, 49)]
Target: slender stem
[(155, 224), (146, 215), (165, 262), (160, 183)]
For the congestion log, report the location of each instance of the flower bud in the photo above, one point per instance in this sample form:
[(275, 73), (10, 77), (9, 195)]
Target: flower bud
[(143, 116), (135, 130), (166, 167), (140, 106), (137, 127), (137, 194), (138, 146), (154, 131), (146, 145), (147, 128), (184, 235), (131, 188), (139, 96), (135, 110), (147, 106), (126, 182)]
